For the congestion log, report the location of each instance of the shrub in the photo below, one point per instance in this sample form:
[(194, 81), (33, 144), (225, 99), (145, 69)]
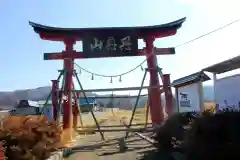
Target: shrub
[(171, 134), (214, 136), (209, 136), (29, 138)]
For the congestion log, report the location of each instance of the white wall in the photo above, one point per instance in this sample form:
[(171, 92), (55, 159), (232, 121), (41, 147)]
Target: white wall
[(192, 103), (228, 89)]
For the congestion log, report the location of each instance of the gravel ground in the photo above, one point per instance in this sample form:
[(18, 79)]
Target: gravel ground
[(109, 150)]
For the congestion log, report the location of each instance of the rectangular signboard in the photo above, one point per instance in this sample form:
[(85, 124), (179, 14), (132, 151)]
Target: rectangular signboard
[(188, 98), (112, 45)]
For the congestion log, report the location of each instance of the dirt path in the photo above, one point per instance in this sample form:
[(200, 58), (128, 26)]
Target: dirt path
[(109, 150)]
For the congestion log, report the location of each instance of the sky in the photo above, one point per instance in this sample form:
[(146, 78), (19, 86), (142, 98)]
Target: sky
[(21, 58)]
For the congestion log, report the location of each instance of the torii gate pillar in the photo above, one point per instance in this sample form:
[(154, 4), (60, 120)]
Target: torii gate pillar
[(68, 65), (55, 87), (154, 94)]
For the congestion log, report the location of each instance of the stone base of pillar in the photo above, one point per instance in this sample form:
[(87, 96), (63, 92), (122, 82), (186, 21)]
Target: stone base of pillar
[(68, 137)]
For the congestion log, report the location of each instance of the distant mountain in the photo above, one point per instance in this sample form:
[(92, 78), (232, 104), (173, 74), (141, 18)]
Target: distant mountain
[(9, 99)]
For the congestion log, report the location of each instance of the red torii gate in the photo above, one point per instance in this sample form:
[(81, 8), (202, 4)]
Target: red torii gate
[(111, 42)]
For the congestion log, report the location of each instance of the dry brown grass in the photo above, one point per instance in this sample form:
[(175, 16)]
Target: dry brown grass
[(140, 114), (3, 114), (209, 105), (88, 121), (69, 136), (139, 117)]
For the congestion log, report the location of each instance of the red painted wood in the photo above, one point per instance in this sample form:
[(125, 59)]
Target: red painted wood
[(75, 115), (155, 104), (55, 85), (67, 104), (2, 152), (79, 55), (75, 108), (69, 55)]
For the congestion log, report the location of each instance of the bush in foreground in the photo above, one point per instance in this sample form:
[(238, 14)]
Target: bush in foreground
[(29, 138), (203, 137), (171, 134), (214, 136)]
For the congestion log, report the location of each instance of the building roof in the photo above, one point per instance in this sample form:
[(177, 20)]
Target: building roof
[(81, 32), (193, 78), (225, 66), (91, 100), (29, 103), (82, 101)]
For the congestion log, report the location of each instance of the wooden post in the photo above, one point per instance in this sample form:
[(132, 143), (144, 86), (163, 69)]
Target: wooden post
[(55, 88), (168, 94), (177, 101), (155, 102), (200, 93), (214, 87), (67, 104)]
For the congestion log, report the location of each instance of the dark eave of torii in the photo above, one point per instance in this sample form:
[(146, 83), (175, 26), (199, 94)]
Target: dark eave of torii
[(57, 34)]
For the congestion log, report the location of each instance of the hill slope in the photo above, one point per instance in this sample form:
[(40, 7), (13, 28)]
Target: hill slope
[(9, 99)]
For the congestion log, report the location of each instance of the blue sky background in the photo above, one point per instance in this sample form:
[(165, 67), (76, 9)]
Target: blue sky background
[(21, 57)]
